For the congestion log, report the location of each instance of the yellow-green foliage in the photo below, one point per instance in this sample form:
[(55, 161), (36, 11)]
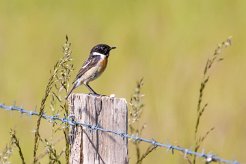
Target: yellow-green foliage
[(165, 41)]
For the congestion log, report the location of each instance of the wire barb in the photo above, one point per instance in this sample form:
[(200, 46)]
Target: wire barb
[(70, 120)]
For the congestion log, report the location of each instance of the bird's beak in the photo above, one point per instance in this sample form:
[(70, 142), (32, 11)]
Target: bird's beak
[(112, 48)]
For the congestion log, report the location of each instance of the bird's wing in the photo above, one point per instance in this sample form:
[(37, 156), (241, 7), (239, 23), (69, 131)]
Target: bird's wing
[(88, 64)]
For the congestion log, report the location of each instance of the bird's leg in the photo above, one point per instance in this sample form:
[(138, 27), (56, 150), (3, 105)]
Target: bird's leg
[(91, 90)]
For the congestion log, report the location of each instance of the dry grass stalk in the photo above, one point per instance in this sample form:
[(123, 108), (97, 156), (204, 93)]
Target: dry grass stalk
[(201, 108), (136, 110), (57, 88)]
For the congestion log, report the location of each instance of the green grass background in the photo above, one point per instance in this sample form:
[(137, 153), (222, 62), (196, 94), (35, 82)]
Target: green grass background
[(165, 41)]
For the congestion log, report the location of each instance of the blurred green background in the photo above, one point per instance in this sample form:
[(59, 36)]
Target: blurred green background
[(167, 42)]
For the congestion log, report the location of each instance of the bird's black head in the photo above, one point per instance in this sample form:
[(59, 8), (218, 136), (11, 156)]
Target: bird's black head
[(102, 49)]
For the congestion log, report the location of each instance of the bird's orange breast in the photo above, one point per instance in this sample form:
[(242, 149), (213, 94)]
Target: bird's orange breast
[(102, 65)]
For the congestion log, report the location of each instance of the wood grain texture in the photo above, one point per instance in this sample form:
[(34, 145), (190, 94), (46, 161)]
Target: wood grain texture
[(96, 147)]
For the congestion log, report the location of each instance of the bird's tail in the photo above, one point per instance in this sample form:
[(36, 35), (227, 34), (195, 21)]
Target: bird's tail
[(69, 93)]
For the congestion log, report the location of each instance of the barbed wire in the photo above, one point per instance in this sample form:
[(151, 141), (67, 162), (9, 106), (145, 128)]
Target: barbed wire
[(207, 156)]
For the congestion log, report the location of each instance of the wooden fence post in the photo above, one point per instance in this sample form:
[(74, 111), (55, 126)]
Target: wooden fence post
[(97, 147)]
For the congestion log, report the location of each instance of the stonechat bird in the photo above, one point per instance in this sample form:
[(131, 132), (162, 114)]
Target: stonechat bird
[(93, 67)]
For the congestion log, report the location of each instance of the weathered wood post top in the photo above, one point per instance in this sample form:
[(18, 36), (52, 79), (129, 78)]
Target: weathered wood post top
[(93, 146)]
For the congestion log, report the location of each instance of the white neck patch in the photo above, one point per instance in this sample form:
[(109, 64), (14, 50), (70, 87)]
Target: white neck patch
[(98, 54)]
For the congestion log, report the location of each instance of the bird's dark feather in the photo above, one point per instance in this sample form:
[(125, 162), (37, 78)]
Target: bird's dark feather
[(88, 64)]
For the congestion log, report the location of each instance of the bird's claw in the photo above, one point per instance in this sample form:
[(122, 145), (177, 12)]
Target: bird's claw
[(96, 94)]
